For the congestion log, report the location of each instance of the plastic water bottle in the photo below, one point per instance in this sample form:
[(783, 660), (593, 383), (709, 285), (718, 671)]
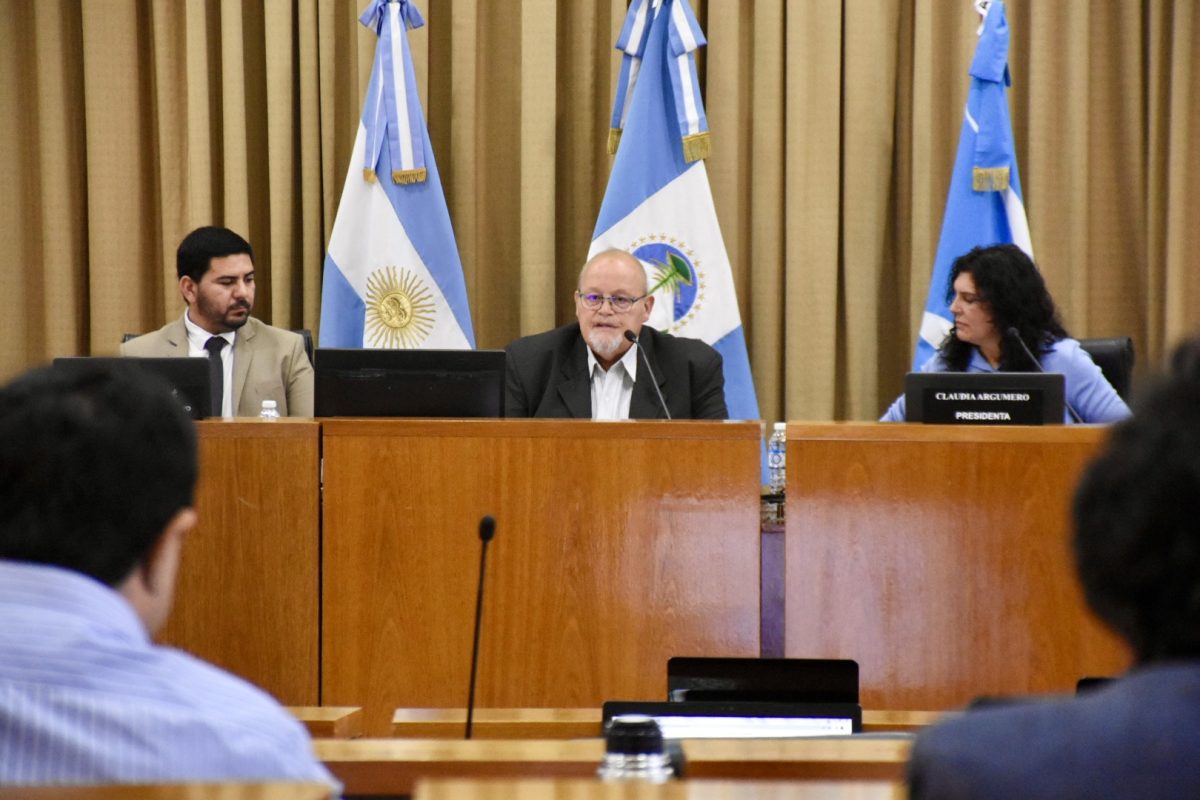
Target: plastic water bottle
[(777, 459), (270, 410), (635, 751)]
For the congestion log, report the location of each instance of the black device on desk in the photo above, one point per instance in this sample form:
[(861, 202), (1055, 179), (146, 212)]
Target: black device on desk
[(189, 378), (754, 698), (409, 383), (984, 398)]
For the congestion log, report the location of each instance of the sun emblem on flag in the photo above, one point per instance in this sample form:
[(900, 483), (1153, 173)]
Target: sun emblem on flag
[(676, 272), (400, 309)]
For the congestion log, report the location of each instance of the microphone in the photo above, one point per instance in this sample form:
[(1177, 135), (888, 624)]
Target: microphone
[(487, 529), (633, 337), (1013, 333)]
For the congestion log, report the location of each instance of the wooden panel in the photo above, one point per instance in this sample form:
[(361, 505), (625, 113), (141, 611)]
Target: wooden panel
[(543, 789), (617, 546), (247, 597), (392, 766), (938, 558), (574, 723)]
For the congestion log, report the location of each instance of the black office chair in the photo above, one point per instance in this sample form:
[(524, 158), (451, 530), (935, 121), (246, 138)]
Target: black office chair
[(1114, 356), (305, 334)]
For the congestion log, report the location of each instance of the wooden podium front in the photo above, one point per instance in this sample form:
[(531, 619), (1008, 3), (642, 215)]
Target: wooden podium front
[(248, 590), (939, 558), (617, 546)]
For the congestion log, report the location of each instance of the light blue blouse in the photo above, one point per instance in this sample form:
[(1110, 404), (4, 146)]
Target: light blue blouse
[(1087, 390)]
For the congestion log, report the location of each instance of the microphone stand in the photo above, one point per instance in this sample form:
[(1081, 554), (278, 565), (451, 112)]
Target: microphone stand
[(487, 529), (633, 337), (1013, 333)]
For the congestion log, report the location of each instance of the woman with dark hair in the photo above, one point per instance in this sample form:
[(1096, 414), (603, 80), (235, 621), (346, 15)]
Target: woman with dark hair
[(994, 293)]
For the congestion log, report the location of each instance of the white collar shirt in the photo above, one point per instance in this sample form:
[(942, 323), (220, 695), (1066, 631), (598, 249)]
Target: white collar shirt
[(612, 389), (197, 337)]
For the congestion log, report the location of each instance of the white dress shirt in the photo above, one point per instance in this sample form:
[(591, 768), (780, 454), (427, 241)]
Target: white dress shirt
[(612, 389), (197, 337)]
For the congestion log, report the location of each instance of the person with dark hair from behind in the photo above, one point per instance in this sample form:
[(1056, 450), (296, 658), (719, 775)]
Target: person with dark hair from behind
[(992, 290), (258, 361), (97, 471), (1137, 552)]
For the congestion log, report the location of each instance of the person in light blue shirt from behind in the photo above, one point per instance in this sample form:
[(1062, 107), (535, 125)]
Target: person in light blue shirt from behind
[(994, 290), (97, 472)]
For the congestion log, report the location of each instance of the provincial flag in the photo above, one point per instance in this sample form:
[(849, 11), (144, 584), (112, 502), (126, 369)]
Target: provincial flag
[(658, 204), (393, 278), (984, 205)]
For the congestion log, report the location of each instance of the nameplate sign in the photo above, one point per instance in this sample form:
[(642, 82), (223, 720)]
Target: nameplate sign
[(995, 398), (983, 408)]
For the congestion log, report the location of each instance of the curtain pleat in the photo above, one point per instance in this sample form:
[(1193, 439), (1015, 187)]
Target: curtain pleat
[(129, 122)]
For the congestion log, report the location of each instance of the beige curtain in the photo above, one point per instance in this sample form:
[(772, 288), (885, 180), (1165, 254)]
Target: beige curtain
[(128, 122)]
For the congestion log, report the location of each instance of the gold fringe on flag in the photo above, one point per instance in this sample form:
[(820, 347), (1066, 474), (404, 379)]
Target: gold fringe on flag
[(989, 179), (696, 146), (614, 139), (369, 175), (409, 175)]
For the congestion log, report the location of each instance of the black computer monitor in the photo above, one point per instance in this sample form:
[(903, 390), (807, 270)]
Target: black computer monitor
[(409, 383), (188, 377), (768, 680), (984, 398)]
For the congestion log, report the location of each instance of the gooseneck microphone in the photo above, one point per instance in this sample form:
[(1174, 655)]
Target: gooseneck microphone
[(1013, 333), (487, 529), (633, 337)]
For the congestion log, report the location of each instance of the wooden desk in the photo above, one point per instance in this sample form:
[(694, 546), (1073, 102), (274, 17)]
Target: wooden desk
[(617, 546), (172, 791), (247, 594), (392, 766), (546, 789), (330, 722), (578, 723), (498, 723), (938, 558)]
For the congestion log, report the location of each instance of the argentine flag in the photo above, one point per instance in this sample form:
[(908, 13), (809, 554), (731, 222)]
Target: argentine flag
[(984, 206), (658, 204), (393, 278)]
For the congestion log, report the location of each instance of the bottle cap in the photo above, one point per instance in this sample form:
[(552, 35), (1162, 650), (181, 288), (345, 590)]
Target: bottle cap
[(634, 734)]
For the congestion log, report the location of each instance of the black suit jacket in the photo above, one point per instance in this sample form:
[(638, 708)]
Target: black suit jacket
[(548, 377)]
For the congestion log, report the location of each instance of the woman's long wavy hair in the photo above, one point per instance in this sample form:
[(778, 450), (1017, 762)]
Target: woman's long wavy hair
[(1011, 286)]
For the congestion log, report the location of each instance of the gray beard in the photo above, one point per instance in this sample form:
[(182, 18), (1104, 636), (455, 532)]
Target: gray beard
[(604, 346)]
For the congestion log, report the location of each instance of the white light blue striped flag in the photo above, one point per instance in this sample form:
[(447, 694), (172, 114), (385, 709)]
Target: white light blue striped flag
[(393, 277), (984, 205), (658, 204)]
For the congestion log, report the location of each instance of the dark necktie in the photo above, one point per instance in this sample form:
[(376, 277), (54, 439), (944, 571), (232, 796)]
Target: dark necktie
[(217, 370)]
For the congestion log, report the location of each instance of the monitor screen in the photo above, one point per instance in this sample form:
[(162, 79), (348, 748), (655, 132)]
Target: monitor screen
[(188, 377), (409, 383), (778, 680), (984, 398)]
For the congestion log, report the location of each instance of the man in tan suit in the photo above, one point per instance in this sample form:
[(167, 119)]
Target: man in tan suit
[(251, 361)]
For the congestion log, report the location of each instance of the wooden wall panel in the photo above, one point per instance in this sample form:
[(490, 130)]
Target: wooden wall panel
[(938, 558), (247, 597), (617, 546)]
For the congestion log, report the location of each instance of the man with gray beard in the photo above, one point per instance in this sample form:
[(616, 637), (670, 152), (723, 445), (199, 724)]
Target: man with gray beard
[(589, 369)]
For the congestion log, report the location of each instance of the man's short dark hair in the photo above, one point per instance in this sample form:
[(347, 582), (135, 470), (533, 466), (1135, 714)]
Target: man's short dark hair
[(1137, 524), (201, 246), (93, 465)]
